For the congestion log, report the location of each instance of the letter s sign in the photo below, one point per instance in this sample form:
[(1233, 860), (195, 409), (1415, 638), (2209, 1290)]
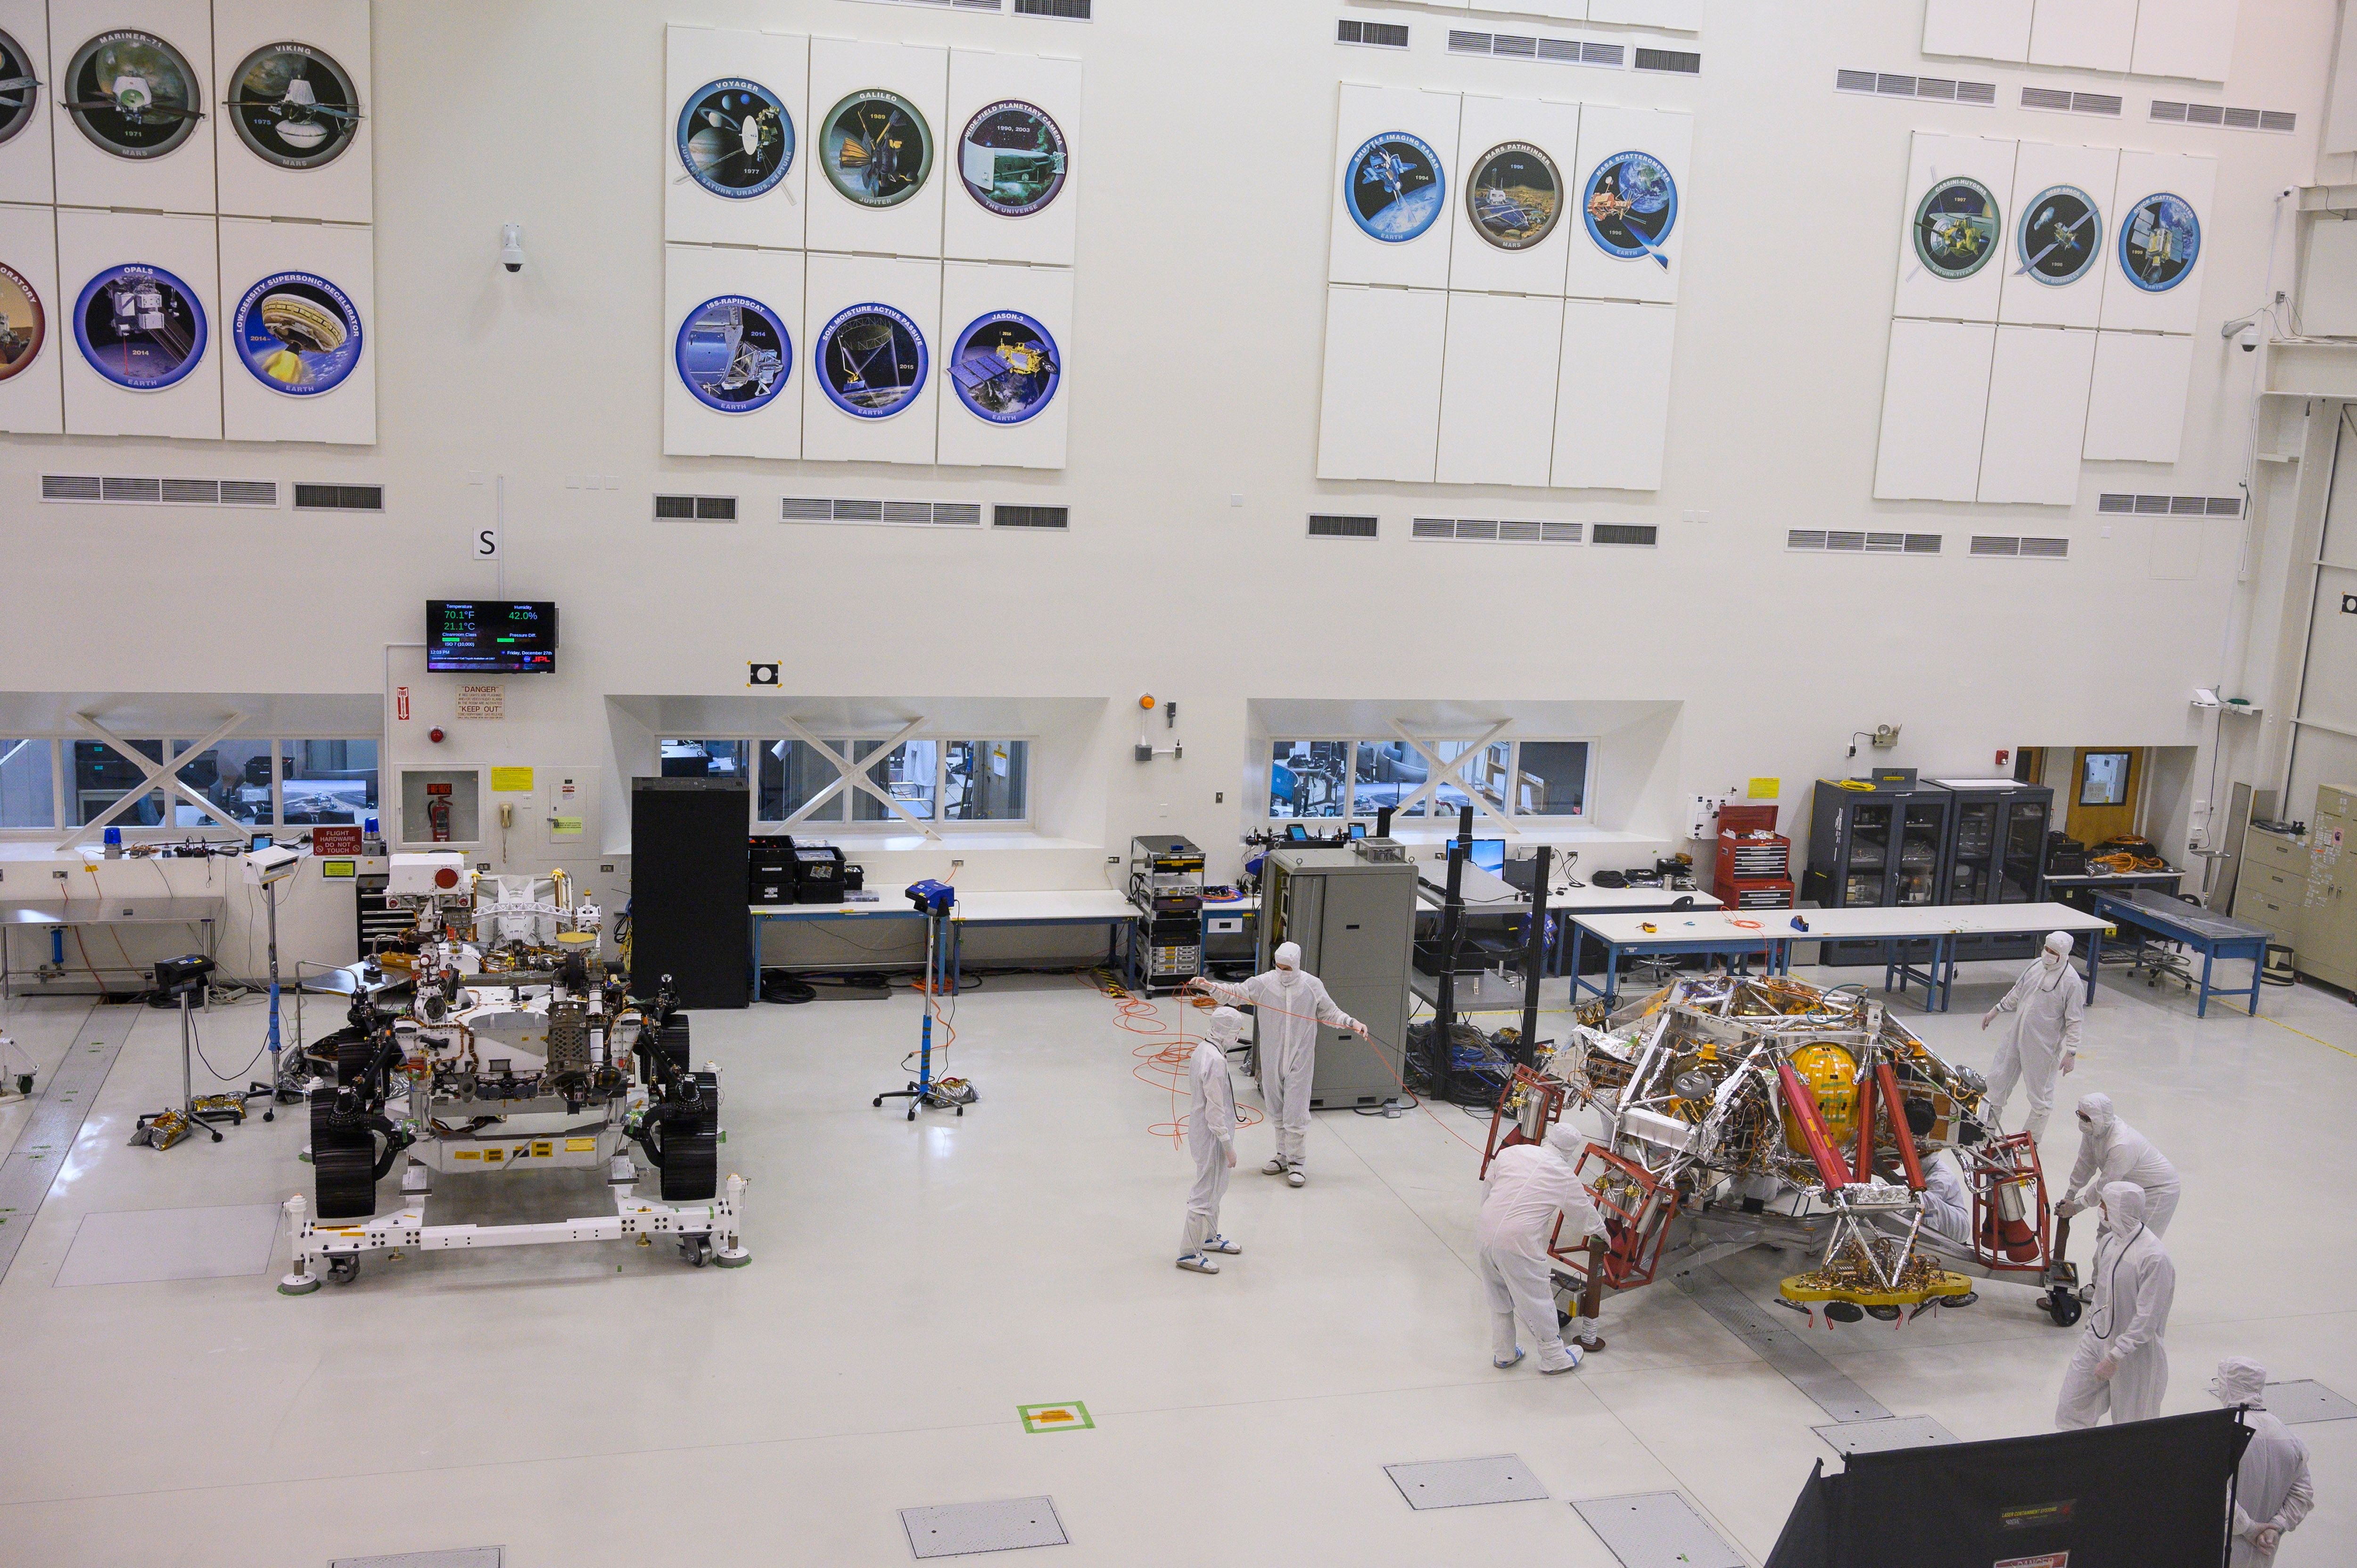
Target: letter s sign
[(486, 545)]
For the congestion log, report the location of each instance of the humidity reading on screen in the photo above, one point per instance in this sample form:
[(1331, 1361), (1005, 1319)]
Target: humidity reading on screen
[(500, 636)]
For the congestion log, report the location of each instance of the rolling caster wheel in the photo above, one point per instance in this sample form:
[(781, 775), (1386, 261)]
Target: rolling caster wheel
[(217, 1137), (343, 1270), (270, 1116), (878, 1101), (2062, 1307), (912, 1113), (696, 1250)]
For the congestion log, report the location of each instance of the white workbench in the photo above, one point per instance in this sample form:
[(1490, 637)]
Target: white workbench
[(1771, 934), (1076, 907)]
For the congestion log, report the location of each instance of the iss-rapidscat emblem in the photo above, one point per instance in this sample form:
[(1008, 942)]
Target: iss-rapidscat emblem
[(735, 138), (1514, 196), (133, 94), (734, 354), (1005, 368), (1630, 205), (24, 323), (1957, 228), (298, 333), (139, 326), (294, 106), (877, 148), (871, 360), (2059, 235), (2159, 239), (1012, 158), (1394, 187)]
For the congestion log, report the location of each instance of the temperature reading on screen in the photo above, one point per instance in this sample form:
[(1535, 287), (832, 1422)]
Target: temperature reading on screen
[(503, 636)]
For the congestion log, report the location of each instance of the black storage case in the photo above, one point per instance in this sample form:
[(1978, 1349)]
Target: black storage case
[(689, 867)]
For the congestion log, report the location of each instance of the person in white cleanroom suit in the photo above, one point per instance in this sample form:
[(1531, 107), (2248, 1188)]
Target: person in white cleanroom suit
[(2272, 1493), (1211, 1139), (2047, 1004), (1530, 1184), (2109, 1151), (1289, 1005), (2120, 1364), (1947, 1201)]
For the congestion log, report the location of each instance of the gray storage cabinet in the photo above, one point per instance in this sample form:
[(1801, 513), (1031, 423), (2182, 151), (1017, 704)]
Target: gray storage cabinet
[(1355, 919)]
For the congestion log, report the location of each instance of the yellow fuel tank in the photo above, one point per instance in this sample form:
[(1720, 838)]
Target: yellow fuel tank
[(1831, 1073)]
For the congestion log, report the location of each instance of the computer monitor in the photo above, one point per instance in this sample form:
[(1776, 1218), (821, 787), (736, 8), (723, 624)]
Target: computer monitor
[(1296, 834), (1358, 829), (1489, 855)]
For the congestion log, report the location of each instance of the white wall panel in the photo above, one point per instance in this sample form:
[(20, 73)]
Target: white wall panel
[(1016, 431), (2140, 216), (694, 275), (277, 387), (970, 228), (906, 435), (1612, 396), (2185, 38), (178, 179), (1985, 30), (1685, 15), (38, 333), (341, 188), (26, 174), (1934, 404), (2094, 35), (1496, 389), (1652, 273), (1945, 229), (1557, 10), (1511, 202), (90, 243), (1421, 260), (696, 62), (2037, 415), (1379, 416), (839, 71), (2033, 236), (2135, 407)]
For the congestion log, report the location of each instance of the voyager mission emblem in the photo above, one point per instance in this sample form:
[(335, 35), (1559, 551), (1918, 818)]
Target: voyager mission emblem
[(139, 326), (735, 138), (298, 333), (871, 360), (1394, 187), (734, 354)]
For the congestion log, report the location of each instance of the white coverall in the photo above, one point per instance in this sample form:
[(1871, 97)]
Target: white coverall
[(1529, 1183), (1211, 1127), (1947, 1201), (2047, 1003), (2109, 1151), (2271, 1487), (2120, 1364), (1289, 1005)]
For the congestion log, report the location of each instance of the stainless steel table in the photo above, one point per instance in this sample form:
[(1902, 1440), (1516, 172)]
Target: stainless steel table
[(57, 914), (2212, 935)]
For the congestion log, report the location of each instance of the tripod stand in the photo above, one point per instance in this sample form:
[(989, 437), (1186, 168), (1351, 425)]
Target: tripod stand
[(183, 978), (933, 900)]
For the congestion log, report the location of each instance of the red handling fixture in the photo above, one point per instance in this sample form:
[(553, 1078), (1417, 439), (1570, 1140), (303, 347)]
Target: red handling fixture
[(1901, 1134), (1803, 1107)]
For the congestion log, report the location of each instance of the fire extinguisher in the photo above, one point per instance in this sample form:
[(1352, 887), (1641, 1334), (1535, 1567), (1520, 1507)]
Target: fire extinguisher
[(438, 811)]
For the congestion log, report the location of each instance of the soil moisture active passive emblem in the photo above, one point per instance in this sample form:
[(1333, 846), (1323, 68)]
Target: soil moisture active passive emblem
[(2058, 239), (1632, 204), (2158, 242), (1012, 158), (139, 326), (735, 138), (1005, 368), (300, 334), (1514, 197), (1393, 187), (294, 106), (734, 354), (871, 360), (1958, 227), (877, 148)]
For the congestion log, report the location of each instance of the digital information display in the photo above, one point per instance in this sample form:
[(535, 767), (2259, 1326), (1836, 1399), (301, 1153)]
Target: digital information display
[(490, 635)]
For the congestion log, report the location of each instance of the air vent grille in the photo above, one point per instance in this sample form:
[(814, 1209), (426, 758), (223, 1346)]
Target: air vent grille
[(1938, 88), (1069, 10), (2053, 98), (334, 498), (695, 509), (1461, 42), (2281, 120), (1515, 46), (2045, 549), (1851, 541), (1644, 534), (133, 488), (2106, 103), (1033, 517), (958, 514), (1379, 35), (1511, 531), (1681, 62), (2170, 506), (808, 509), (930, 514), (907, 511), (2026, 548), (1328, 526)]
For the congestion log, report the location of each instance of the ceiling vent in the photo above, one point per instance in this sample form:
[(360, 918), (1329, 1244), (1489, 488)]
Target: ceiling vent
[(2170, 506), (1327, 526), (1644, 534), (1512, 531), (1853, 542), (1937, 89), (1515, 46), (1030, 517), (338, 498), (695, 509), (2021, 547), (930, 514), (1068, 10), (129, 489), (2169, 112), (1375, 35), (1678, 62)]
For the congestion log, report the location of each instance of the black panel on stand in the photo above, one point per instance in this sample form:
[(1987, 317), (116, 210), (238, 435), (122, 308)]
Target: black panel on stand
[(688, 870)]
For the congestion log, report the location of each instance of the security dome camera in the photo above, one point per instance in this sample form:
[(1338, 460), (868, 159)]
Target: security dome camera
[(2243, 333), (511, 246)]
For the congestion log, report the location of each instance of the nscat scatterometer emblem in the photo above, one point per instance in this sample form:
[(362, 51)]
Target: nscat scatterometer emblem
[(1632, 204)]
